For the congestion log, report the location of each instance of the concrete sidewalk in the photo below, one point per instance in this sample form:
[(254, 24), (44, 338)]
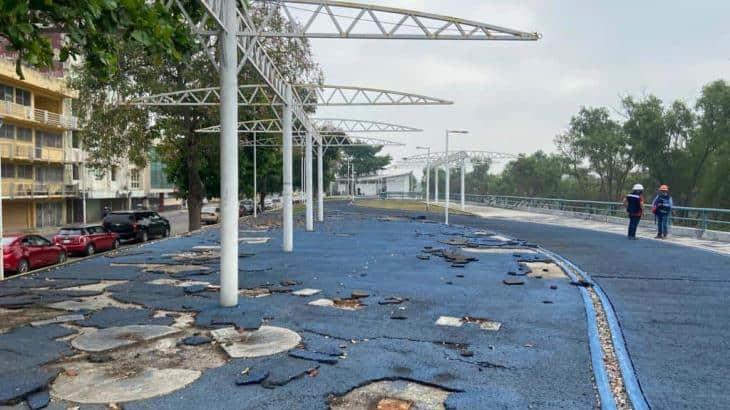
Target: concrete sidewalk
[(647, 229)]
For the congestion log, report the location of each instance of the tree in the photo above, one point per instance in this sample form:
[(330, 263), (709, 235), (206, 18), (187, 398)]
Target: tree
[(365, 159), (96, 30), (658, 137), (538, 174), (113, 130), (602, 141)]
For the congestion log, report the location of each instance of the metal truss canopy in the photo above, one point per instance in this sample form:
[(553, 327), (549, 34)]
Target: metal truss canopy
[(309, 95), (327, 141), (439, 158), (339, 19), (324, 126)]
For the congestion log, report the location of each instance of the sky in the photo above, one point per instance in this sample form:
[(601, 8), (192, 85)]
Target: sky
[(516, 96)]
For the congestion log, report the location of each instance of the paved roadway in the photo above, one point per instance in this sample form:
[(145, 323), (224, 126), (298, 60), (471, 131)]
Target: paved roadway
[(672, 303)]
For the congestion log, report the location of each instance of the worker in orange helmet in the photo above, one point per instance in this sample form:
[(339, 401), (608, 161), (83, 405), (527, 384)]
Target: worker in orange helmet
[(662, 209)]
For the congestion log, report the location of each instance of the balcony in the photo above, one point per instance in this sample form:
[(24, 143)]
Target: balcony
[(28, 152), (21, 190), (23, 112)]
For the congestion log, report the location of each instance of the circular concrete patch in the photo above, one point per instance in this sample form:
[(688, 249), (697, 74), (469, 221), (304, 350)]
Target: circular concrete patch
[(265, 341), (105, 384), (392, 395), (114, 337)]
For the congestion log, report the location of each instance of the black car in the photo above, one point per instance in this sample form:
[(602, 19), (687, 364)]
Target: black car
[(137, 225)]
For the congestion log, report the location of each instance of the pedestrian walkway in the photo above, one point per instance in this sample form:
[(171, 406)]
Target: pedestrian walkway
[(647, 228)]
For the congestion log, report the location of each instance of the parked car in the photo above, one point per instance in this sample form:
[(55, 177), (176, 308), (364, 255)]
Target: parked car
[(86, 240), (269, 203), (22, 253), (210, 214), (137, 225)]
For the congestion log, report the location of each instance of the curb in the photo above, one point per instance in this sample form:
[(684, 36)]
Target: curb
[(628, 373)]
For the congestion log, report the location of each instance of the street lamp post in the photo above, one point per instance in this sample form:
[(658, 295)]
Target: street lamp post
[(428, 173), (448, 170), (463, 194)]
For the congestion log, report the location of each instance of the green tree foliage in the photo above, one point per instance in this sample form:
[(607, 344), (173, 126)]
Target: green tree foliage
[(96, 31), (599, 157), (365, 159), (113, 130)]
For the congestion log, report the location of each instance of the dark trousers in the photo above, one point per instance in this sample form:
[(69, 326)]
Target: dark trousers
[(662, 223), (633, 224)]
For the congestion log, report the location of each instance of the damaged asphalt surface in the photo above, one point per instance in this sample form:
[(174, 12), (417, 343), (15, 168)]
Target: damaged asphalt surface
[(671, 301), (523, 345)]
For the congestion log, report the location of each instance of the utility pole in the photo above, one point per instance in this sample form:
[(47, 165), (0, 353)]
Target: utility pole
[(308, 171), (288, 207), (320, 183)]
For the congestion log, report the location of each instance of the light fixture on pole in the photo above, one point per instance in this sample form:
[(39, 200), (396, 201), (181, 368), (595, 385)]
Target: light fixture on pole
[(428, 173), (447, 192)]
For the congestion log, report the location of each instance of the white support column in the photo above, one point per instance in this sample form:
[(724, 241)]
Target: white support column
[(463, 196), (320, 183), (288, 177), (229, 157), (436, 185), (308, 172), (428, 177), (255, 191), (447, 190)]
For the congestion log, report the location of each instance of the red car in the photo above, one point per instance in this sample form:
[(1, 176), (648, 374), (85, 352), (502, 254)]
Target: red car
[(86, 240), (22, 253)]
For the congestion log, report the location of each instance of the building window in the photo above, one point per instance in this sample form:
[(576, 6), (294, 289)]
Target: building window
[(50, 139), (49, 174), (98, 174), (24, 134), (6, 93), (75, 172), (7, 132), (8, 171), (114, 173), (134, 176), (75, 140), (158, 178), (22, 97), (25, 171)]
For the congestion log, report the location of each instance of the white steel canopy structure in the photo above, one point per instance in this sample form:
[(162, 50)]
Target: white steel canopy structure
[(323, 126), (238, 42), (328, 140), (310, 95), (339, 19), (438, 159)]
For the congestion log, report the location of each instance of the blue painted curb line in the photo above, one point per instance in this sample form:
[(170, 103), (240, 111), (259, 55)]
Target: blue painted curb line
[(594, 342), (631, 382)]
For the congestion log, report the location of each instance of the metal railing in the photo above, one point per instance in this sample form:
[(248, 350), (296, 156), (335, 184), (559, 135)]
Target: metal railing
[(14, 150), (700, 218), (12, 190), (34, 114)]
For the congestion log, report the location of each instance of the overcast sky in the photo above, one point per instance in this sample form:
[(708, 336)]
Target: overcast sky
[(515, 96)]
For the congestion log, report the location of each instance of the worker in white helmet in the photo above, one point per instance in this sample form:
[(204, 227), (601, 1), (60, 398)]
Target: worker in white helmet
[(634, 203)]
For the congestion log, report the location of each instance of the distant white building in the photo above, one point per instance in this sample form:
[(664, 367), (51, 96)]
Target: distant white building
[(376, 184)]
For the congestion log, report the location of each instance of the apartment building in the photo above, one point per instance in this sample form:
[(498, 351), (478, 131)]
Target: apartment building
[(37, 149), (45, 182)]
